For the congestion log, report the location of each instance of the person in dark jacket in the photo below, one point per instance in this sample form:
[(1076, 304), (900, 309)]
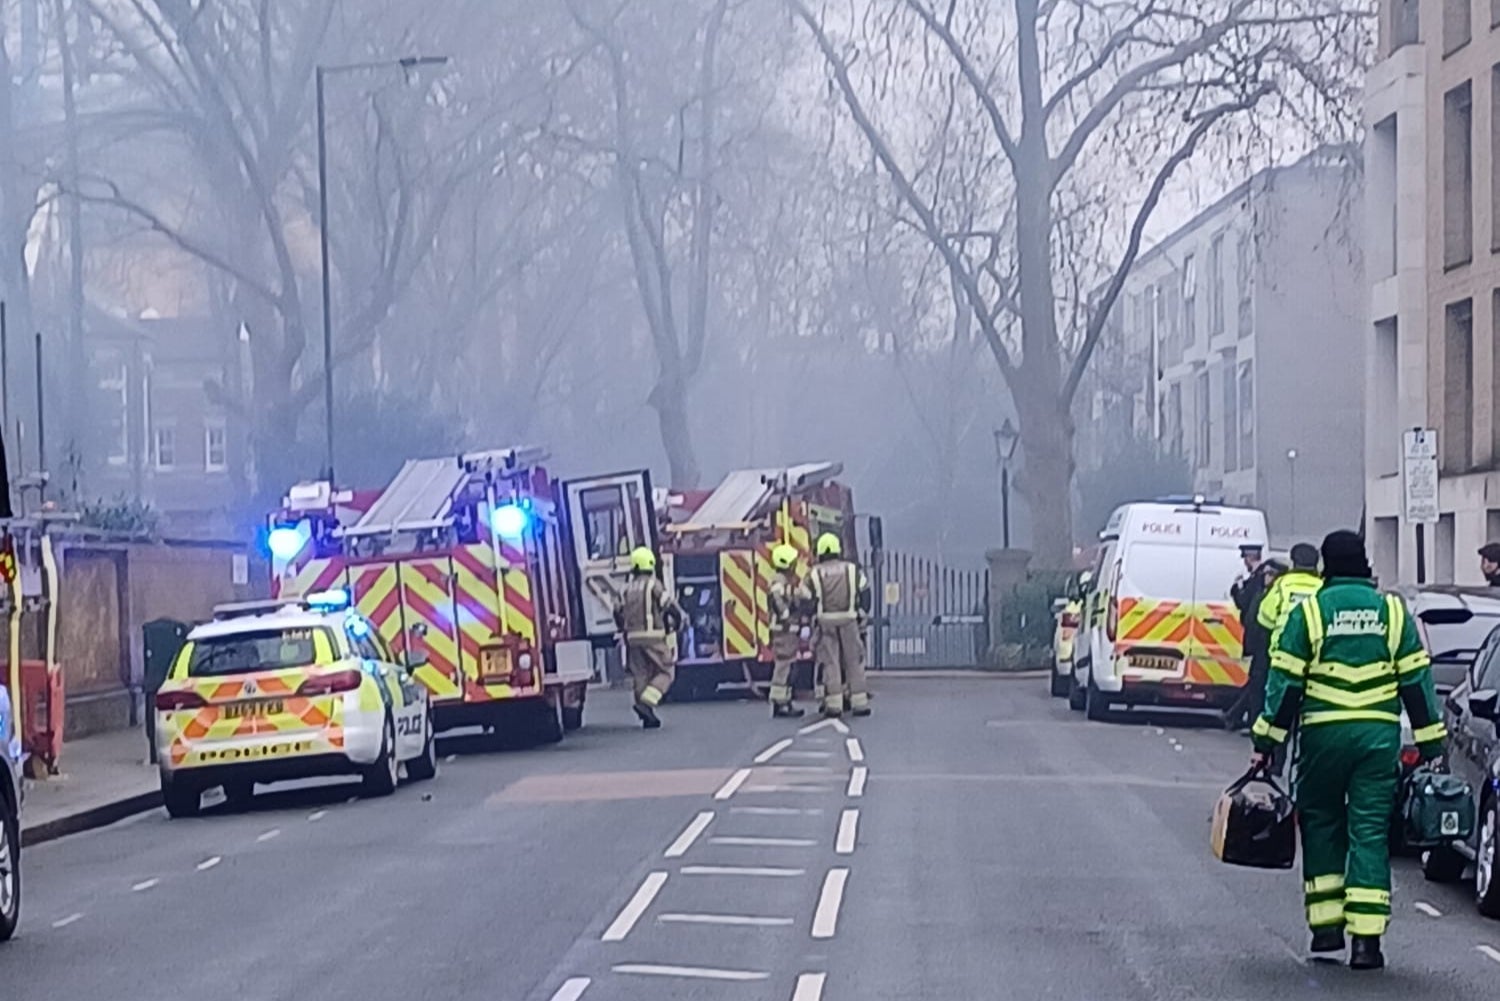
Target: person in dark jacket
[(1489, 563), (1247, 594)]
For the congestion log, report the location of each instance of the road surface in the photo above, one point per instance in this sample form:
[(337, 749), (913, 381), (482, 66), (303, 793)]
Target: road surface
[(973, 840)]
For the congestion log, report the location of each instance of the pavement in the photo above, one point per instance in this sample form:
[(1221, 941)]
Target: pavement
[(101, 779), (973, 839)]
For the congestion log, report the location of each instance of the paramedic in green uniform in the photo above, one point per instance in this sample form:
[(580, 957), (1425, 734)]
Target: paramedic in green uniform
[(1348, 660)]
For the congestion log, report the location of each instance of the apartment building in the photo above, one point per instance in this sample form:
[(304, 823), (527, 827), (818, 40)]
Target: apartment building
[(1432, 109), (1236, 328)]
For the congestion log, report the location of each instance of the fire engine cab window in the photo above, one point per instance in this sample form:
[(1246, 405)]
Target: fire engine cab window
[(605, 527), (244, 653)]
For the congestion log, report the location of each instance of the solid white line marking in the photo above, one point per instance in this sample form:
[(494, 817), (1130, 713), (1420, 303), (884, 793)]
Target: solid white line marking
[(848, 832), (775, 811), (635, 908), (209, 863), (144, 884), (572, 989), (857, 780), (1428, 909), (740, 870), (764, 842), (732, 786), (316, 815), (808, 754), (815, 727), (826, 917), (1489, 951), (856, 751), (274, 832), (773, 750), (692, 972), (840, 725), (809, 987), (64, 922), (724, 919), (685, 840)]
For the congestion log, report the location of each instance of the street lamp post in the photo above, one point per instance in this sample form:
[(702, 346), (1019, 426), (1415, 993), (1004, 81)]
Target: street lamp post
[(1291, 466), (1006, 440), (407, 64)]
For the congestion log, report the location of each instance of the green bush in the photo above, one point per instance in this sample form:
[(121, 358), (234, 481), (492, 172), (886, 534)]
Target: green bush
[(1025, 610)]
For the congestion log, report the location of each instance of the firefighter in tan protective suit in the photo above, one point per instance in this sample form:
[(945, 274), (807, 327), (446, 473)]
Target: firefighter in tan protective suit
[(785, 629), (839, 595), (648, 616)]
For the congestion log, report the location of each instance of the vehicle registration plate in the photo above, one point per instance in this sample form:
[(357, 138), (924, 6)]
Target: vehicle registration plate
[(254, 710), (1154, 662)]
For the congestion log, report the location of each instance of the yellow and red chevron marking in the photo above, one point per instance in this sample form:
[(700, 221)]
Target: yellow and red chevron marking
[(519, 604), (478, 605), (427, 599), (376, 592), (764, 572), (1150, 620), (309, 577), (737, 594), (210, 724), (791, 528)]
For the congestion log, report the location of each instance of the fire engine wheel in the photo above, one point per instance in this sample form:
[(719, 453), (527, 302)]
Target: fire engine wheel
[(181, 797), (10, 869), (425, 765), (572, 718), (381, 777), (548, 722)]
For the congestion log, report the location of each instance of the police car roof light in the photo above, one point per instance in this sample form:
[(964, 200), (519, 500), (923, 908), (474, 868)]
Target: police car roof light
[(335, 598)]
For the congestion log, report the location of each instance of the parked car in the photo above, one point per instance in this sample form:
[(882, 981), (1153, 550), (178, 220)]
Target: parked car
[(1471, 712), (10, 819), (1454, 622), (1068, 612)]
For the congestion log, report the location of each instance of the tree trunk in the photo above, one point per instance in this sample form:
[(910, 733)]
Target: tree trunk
[(669, 400)]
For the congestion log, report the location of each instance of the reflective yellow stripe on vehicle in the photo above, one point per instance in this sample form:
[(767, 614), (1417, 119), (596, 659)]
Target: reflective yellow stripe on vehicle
[(1350, 716), (1350, 700)]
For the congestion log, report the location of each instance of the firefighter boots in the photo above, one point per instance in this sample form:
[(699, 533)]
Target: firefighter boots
[(785, 710), (647, 713)]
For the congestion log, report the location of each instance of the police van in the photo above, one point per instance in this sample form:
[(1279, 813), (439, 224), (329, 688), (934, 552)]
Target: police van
[(1163, 629)]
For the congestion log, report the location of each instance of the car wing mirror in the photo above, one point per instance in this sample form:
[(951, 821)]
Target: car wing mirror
[(1058, 605), (1484, 704)]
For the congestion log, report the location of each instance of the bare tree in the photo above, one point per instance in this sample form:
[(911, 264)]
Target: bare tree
[(1075, 94)]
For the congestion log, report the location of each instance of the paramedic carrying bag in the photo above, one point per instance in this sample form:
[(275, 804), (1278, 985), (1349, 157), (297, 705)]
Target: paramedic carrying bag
[(1436, 808), (1255, 824)]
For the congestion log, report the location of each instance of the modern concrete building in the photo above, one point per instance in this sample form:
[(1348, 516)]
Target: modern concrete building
[(1432, 108), (1239, 339)]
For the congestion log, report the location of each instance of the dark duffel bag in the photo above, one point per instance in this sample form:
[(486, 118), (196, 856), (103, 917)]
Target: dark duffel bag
[(1436, 808), (1255, 823)]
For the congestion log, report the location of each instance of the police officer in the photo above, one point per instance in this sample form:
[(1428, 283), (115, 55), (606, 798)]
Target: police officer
[(785, 629), (1347, 661), (839, 595), (648, 615), (1247, 593)]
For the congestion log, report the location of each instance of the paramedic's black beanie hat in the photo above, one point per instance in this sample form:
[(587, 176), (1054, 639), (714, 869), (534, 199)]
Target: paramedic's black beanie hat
[(1344, 556)]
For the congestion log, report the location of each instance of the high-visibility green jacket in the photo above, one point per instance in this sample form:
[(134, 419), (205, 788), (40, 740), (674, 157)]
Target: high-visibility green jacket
[(1285, 593), (1350, 654)]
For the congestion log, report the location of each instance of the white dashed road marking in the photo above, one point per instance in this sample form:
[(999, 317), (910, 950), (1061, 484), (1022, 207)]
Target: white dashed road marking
[(741, 870), (64, 922), (637, 905), (685, 840), (826, 917), (809, 754), (773, 750), (764, 842), (572, 990), (724, 919), (732, 785), (144, 885), (691, 972), (1428, 909), (856, 751), (857, 779), (848, 832), (809, 987), (776, 811), (268, 835), (209, 863), (1489, 951), (316, 815)]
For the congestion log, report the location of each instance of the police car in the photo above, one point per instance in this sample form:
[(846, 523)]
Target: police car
[(10, 819), (271, 691)]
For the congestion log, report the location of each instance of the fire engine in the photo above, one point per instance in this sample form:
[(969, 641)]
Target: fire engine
[(499, 575), (717, 546)]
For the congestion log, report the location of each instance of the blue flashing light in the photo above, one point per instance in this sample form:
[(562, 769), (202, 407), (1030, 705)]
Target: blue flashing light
[(359, 627), (285, 542), (510, 521), (336, 598)]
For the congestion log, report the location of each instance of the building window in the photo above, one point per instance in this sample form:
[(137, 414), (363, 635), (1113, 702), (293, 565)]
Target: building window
[(1204, 441), (1174, 419), (1494, 13), (114, 387), (1381, 197), (1216, 286), (1443, 550), (1387, 550), (1170, 293), (1495, 157), (1163, 328), (215, 450), (165, 449), (1245, 403), (1458, 176), (1458, 23), (1190, 300), (1386, 459), (1231, 415), (1244, 265), (1457, 435)]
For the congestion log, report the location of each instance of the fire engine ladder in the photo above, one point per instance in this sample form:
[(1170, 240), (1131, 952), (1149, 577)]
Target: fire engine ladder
[(743, 495)]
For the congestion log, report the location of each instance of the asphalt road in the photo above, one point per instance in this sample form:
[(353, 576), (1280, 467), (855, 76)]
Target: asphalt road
[(996, 846)]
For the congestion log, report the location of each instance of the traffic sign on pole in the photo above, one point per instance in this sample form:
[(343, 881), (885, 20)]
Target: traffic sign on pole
[(1419, 476)]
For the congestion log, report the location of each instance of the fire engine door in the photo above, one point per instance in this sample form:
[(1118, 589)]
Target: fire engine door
[(741, 600), (432, 623), (608, 516)]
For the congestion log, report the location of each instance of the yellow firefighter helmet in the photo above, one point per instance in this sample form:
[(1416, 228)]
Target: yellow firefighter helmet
[(829, 545), (642, 560), (784, 557)]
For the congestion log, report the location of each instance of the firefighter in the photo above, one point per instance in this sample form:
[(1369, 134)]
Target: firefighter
[(648, 615), (839, 596), (785, 630), (1347, 661)]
